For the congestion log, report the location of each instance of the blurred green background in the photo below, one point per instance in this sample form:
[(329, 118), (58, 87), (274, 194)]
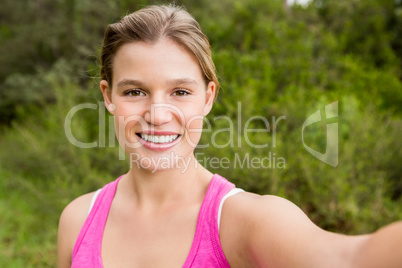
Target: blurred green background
[(276, 59)]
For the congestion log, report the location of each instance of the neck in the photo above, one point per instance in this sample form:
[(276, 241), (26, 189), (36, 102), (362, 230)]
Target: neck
[(157, 189)]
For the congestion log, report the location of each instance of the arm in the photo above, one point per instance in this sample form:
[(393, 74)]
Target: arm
[(268, 231), (71, 221), (382, 249), (290, 239)]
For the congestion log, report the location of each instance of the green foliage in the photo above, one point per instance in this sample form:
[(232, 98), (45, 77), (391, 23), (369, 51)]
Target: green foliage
[(275, 63), (41, 171)]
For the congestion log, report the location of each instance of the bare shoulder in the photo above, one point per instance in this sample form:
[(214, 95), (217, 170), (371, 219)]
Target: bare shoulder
[(248, 215), (75, 213), (270, 231), (71, 221), (253, 209)]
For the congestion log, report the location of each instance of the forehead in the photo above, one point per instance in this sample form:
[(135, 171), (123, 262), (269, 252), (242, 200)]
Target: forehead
[(163, 60)]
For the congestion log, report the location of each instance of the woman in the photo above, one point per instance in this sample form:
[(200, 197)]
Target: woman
[(159, 81)]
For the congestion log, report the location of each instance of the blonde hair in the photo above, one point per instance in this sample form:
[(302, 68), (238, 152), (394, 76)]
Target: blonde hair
[(151, 24)]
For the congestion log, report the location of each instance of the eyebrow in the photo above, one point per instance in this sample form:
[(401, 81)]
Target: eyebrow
[(181, 81), (171, 82), (130, 82)]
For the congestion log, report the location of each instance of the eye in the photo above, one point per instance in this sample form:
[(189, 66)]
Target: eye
[(181, 92), (134, 93)]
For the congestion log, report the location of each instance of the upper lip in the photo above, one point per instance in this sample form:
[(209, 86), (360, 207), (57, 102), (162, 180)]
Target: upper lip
[(158, 133)]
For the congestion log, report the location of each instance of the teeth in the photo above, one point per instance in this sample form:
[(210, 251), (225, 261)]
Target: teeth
[(159, 139)]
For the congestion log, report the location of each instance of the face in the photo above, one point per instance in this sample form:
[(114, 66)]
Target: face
[(159, 98)]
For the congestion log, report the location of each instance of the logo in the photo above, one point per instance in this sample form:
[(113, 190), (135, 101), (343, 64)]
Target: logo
[(331, 149)]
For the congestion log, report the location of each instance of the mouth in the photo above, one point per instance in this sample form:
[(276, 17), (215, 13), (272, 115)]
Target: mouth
[(159, 139)]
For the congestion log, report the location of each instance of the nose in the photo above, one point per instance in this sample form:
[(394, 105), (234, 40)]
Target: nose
[(159, 114)]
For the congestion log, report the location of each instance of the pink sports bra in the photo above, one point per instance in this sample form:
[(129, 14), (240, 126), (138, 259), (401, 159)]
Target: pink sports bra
[(206, 250)]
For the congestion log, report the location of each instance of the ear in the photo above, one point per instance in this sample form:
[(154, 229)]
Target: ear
[(107, 96), (209, 97)]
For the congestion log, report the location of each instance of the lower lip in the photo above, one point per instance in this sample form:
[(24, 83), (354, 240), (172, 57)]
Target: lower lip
[(159, 146)]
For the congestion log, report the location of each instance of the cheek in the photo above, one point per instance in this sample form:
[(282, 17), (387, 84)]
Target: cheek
[(127, 121), (194, 129), (194, 122)]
